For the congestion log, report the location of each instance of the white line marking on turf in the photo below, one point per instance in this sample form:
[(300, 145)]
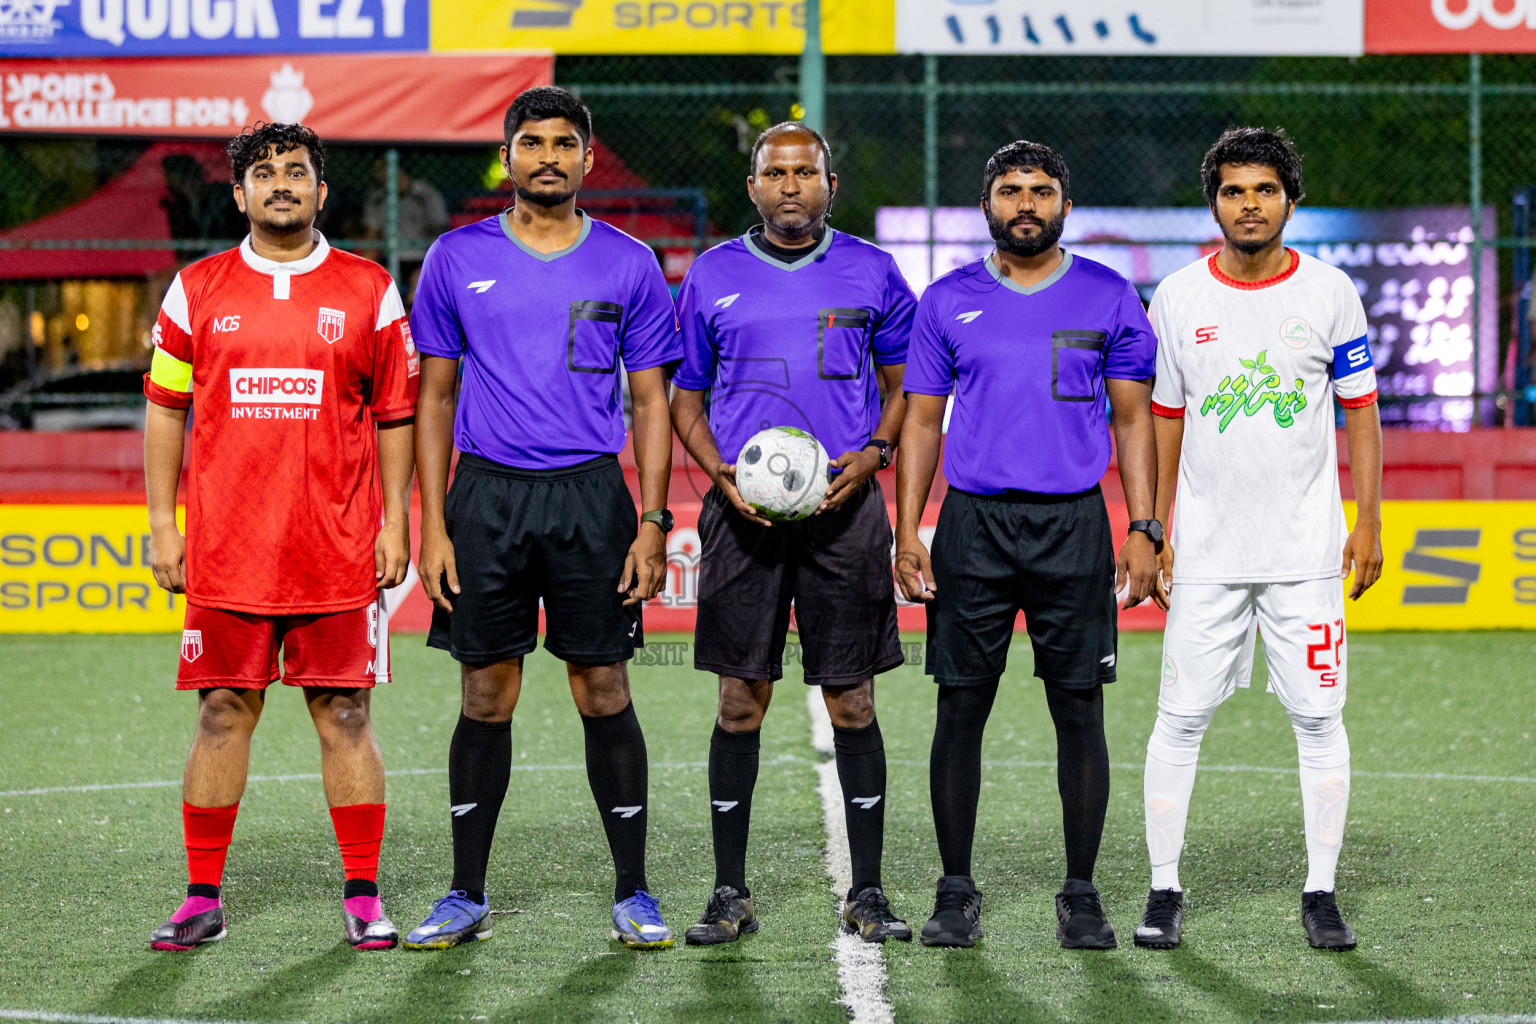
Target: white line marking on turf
[(781, 759), (860, 964), (95, 1018)]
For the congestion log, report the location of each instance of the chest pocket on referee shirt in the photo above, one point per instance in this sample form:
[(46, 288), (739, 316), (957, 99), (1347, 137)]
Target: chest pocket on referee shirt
[(841, 340), (1074, 364), (592, 342)]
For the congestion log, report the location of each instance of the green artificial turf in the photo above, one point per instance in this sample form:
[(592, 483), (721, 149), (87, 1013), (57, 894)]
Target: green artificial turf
[(1436, 874)]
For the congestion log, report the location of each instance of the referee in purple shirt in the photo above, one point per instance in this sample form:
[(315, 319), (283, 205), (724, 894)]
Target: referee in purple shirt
[(545, 308), (1030, 341)]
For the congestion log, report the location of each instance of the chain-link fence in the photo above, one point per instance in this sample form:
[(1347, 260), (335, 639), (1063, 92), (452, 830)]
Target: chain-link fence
[(1415, 169)]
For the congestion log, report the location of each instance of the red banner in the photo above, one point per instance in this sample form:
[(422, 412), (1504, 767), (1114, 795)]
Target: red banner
[(395, 98), (1450, 26)]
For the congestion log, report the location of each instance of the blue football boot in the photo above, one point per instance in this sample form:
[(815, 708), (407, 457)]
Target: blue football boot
[(454, 920), (637, 923)]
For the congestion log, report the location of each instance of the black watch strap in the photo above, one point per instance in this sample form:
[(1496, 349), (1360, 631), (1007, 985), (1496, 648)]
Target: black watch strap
[(884, 447), (1151, 527)]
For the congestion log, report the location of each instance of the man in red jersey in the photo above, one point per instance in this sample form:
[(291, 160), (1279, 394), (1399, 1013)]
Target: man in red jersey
[(300, 361)]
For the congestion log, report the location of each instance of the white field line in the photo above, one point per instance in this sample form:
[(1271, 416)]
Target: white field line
[(781, 759), (860, 964), (49, 1017)]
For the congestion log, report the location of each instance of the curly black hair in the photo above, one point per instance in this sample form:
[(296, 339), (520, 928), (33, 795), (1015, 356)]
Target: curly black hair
[(1026, 156), (543, 102), (784, 128), (1257, 147), (259, 139)]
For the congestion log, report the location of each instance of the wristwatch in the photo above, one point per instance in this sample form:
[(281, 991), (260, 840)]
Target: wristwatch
[(661, 517), (1151, 527), (885, 450)]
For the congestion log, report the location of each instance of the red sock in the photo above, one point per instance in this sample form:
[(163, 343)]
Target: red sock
[(359, 831), (207, 831)]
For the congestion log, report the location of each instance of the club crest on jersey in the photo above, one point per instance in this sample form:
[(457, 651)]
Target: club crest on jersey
[(1295, 332), (333, 323), (1205, 334), (1249, 392), (191, 644)]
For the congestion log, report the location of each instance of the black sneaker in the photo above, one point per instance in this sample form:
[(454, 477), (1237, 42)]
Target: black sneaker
[(727, 916), (179, 936), (1160, 925), (1325, 925), (956, 919), (868, 915), (1080, 917)]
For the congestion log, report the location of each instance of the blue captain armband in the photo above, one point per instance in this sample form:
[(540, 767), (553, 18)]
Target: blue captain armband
[(1351, 357)]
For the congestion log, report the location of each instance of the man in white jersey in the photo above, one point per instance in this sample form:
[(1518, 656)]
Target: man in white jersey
[(1254, 344)]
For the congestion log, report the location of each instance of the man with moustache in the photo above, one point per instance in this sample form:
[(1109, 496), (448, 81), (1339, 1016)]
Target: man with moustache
[(1254, 345), (1030, 340), (298, 359), (543, 305), (795, 324)]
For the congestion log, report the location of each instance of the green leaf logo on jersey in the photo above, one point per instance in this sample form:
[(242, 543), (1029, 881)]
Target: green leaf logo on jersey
[(1251, 391)]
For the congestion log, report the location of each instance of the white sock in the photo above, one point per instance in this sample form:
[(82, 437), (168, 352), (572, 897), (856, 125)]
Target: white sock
[(1172, 751), (1322, 747)]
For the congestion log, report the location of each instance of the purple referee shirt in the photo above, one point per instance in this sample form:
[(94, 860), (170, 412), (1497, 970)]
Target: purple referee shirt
[(544, 337), (1027, 369), (793, 344)]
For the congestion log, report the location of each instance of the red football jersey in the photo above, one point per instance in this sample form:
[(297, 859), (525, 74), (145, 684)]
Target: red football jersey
[(288, 367)]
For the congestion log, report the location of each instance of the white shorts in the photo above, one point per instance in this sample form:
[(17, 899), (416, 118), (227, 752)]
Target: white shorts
[(1209, 641)]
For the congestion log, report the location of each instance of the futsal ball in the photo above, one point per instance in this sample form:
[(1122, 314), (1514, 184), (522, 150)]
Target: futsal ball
[(782, 472)]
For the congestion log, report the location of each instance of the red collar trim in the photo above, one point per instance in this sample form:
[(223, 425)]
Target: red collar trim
[(1248, 286)]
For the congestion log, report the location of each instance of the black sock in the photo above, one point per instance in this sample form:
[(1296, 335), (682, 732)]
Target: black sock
[(1082, 773), (733, 760), (861, 772), (479, 767), (954, 771), (207, 892), (618, 774), (359, 887)]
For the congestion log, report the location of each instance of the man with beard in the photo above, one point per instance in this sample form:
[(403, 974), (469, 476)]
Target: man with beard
[(543, 305), (795, 324), (1254, 344), (1030, 340), (298, 359)]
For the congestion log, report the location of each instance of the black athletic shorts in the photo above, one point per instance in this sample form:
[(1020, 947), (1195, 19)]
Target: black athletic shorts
[(836, 570), (521, 534), (1049, 555)]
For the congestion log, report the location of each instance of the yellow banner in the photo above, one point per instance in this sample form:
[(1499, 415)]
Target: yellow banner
[(80, 569), (1452, 565), (660, 26)]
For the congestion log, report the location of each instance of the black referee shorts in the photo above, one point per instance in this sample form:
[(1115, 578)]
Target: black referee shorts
[(834, 568), (520, 535), (1050, 556)]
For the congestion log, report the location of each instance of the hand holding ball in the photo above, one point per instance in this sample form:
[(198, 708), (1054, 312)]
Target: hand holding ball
[(783, 473)]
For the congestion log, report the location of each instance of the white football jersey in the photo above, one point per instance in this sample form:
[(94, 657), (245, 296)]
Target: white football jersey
[(1252, 368)]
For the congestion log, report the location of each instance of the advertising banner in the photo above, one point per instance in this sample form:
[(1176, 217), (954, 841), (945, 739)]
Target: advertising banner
[(404, 98), (85, 569), (1450, 26), (1135, 27), (186, 28), (1413, 268), (660, 26)]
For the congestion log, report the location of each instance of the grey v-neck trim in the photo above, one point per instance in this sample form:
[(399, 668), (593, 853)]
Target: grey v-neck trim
[(810, 257), (545, 257), (997, 275)]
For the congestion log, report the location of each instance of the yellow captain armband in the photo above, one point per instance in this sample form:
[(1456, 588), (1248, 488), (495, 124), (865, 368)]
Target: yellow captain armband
[(170, 373)]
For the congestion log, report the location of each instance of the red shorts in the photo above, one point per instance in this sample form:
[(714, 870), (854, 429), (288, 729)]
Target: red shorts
[(238, 649)]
